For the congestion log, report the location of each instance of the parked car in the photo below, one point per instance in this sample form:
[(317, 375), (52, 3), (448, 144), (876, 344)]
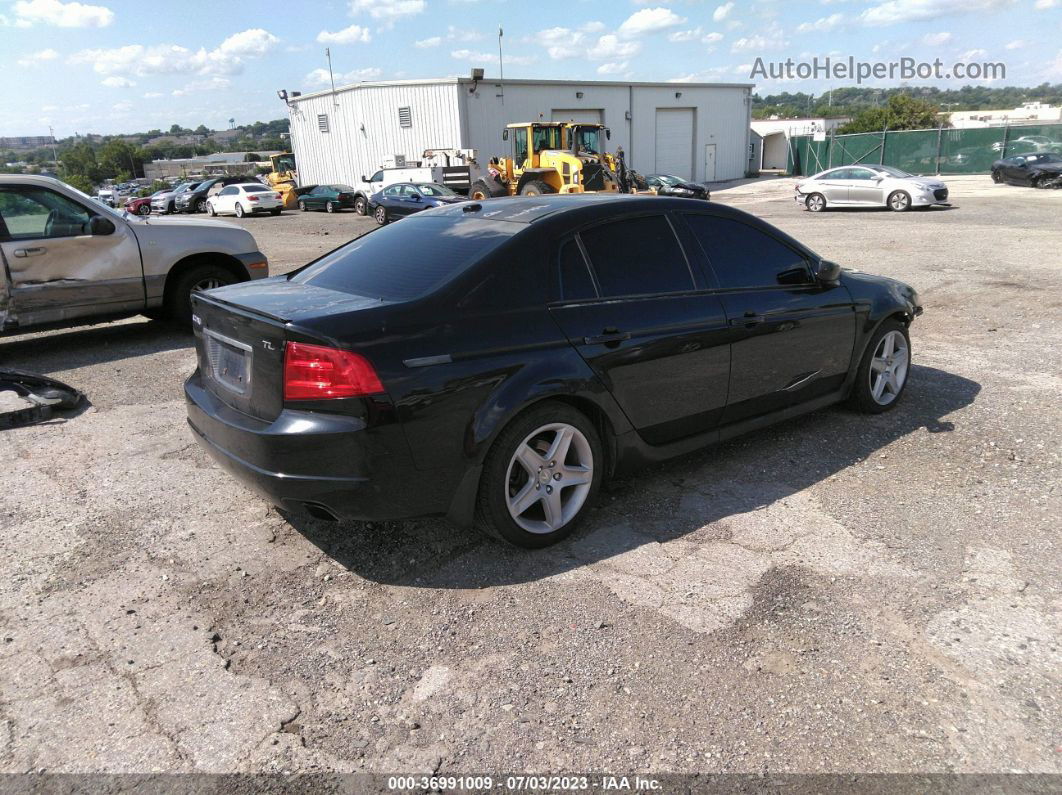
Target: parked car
[(670, 185), (330, 198), (166, 202), (73, 260), (246, 198), (194, 200), (1036, 169), (507, 356), (406, 198), (107, 196), (869, 186), (141, 205), (457, 169)]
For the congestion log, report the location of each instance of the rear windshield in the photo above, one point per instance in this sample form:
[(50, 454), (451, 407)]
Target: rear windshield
[(408, 259), (255, 188)]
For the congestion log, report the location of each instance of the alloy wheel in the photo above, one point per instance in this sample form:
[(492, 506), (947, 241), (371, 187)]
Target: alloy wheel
[(549, 478), (815, 203), (899, 201), (888, 368), (207, 284)]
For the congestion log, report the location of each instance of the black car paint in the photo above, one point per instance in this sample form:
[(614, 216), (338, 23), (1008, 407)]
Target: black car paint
[(461, 362), (1008, 169), (664, 189)]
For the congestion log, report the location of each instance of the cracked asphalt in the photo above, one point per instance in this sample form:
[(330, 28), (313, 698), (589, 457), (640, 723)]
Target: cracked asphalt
[(835, 594)]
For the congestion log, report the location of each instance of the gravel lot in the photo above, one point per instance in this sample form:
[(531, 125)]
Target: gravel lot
[(838, 593)]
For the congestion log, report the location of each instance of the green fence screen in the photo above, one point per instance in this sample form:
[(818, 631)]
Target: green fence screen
[(941, 151)]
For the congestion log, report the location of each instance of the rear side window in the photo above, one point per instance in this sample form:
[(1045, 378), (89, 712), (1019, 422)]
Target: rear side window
[(637, 256), (742, 256), (400, 262), (576, 283)]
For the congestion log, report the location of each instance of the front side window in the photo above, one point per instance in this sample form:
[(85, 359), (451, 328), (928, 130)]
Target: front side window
[(860, 173), (377, 177), (742, 256), (32, 213), (637, 256)]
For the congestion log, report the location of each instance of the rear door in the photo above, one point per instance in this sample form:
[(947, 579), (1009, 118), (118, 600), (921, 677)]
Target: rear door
[(58, 269), (638, 311), (792, 337), (834, 186)]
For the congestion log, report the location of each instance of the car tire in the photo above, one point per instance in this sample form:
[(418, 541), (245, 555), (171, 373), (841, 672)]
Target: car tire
[(815, 203), (329, 207), (239, 210), (210, 209), (874, 391), (143, 209), (275, 211), (899, 201), (380, 214), (517, 473), (535, 187), (201, 205), (359, 205), (199, 277), (997, 177)]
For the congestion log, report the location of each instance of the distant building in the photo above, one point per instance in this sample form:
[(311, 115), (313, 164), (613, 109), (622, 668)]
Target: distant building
[(219, 164), (26, 142), (776, 133), (1028, 113)]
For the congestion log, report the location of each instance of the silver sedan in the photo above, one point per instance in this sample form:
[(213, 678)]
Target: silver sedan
[(869, 186)]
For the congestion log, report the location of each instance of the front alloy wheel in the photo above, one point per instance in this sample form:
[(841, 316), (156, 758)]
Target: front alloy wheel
[(899, 201), (883, 372)]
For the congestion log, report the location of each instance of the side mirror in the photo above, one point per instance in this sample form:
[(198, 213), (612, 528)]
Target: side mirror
[(608, 134), (101, 226), (879, 178), (827, 272), (505, 134), (416, 197), (364, 178)]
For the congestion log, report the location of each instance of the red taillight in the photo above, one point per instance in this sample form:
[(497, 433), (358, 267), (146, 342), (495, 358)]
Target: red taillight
[(252, 198), (343, 196), (314, 372), (278, 195)]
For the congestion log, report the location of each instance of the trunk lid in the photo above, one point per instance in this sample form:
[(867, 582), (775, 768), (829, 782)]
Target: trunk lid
[(241, 331)]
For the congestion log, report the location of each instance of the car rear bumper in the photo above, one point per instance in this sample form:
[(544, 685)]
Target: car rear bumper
[(314, 463)]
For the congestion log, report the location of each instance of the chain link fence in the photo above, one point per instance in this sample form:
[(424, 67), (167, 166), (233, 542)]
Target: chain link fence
[(939, 151)]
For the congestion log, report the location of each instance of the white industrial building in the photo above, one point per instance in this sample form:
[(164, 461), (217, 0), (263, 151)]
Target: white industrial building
[(775, 134), (697, 131)]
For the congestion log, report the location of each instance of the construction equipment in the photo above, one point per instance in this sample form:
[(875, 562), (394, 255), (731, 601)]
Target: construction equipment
[(284, 178), (550, 157)]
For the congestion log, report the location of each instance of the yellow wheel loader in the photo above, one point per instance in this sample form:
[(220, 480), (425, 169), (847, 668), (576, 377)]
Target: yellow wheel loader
[(550, 157), (284, 178)]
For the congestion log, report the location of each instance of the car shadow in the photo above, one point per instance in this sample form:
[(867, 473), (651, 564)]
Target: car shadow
[(48, 352), (662, 503)]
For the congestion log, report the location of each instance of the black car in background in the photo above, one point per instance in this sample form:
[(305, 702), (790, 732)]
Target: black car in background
[(330, 198), (1035, 169), (496, 361), (194, 200), (405, 198), (670, 185)]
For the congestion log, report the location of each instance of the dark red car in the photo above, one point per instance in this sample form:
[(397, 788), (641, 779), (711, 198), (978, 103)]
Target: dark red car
[(141, 205)]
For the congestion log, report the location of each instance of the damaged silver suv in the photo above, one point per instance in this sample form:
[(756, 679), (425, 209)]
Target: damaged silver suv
[(66, 259)]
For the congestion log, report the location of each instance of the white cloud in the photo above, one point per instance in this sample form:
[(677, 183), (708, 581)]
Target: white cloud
[(122, 107), (388, 10), (595, 26), (610, 47), (199, 86), (434, 41), (561, 43), (937, 39), (971, 55), (139, 60), (648, 20), (821, 25), (892, 12), (1017, 44), (117, 82), (36, 58), (1043, 5), (613, 68), (685, 35), (712, 38), (721, 12), (770, 39), (153, 95), (320, 77), (61, 15), (352, 35), (489, 57)]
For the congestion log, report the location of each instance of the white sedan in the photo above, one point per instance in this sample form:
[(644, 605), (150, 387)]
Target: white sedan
[(869, 186), (245, 199)]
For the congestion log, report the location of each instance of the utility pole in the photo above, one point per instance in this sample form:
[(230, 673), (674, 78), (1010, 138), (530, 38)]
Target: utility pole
[(501, 64), (328, 55), (55, 157)]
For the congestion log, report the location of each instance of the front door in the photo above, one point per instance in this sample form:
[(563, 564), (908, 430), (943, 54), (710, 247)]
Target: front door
[(791, 336), (637, 312), (58, 268), (864, 187), (709, 162)]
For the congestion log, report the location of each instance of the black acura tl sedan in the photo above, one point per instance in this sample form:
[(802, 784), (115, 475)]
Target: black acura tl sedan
[(495, 361)]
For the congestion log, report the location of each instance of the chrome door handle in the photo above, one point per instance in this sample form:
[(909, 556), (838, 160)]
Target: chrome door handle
[(30, 252)]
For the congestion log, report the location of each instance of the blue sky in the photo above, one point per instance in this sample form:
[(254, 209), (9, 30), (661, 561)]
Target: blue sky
[(106, 66)]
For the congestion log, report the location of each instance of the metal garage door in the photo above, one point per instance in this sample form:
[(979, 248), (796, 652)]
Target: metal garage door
[(674, 142), (588, 115)]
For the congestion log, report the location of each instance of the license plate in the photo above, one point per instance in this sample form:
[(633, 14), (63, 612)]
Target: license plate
[(230, 362)]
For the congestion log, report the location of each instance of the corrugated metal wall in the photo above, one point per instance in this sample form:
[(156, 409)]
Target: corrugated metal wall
[(364, 129)]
